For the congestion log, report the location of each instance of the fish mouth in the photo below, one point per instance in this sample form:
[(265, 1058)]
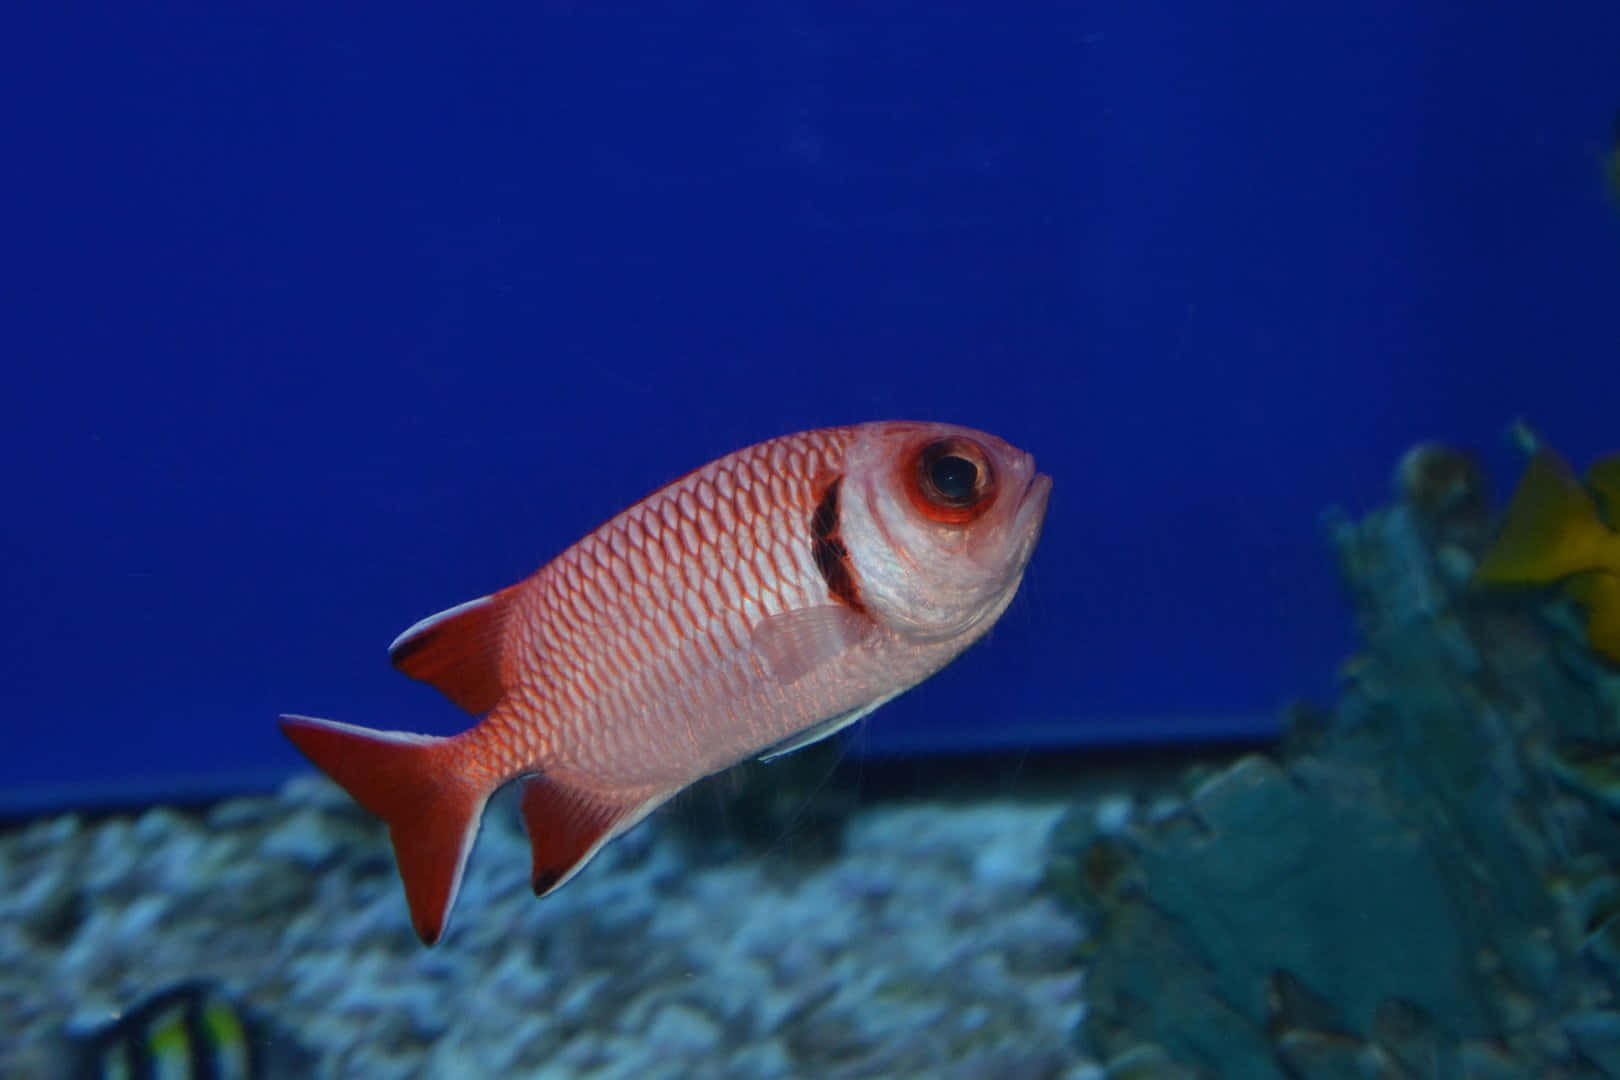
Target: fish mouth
[(1031, 511)]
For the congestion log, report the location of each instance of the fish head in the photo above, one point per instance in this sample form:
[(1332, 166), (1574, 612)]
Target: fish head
[(940, 522)]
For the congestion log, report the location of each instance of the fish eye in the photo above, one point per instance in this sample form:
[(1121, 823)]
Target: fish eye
[(954, 480)]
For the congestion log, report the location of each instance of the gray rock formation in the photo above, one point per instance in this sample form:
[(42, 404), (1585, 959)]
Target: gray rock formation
[(1422, 882)]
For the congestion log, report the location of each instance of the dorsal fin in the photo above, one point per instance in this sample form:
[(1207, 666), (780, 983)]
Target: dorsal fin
[(1552, 528), (458, 651)]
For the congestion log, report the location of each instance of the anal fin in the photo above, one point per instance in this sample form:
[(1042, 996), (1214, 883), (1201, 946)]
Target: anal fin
[(567, 827)]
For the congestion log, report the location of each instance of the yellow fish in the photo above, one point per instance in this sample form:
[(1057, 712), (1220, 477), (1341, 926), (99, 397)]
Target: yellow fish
[(1559, 530)]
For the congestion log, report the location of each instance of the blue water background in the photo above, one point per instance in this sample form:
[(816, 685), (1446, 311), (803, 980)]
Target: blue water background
[(319, 322)]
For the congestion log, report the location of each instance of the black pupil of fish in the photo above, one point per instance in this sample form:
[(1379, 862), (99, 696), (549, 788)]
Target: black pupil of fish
[(953, 477)]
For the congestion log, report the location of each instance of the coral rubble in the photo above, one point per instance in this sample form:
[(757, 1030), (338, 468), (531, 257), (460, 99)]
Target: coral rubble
[(926, 948)]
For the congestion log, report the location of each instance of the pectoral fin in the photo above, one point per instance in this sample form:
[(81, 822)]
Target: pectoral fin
[(795, 643)]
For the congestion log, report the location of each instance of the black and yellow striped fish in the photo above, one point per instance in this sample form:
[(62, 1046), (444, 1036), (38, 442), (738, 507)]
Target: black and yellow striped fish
[(189, 1031)]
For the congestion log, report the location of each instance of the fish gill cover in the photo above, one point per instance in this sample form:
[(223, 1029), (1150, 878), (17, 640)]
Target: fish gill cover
[(324, 323)]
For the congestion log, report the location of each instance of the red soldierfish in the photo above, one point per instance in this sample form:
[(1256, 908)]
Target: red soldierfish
[(754, 606)]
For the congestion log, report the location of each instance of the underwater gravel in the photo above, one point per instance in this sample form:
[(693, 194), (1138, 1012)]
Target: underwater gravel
[(927, 949)]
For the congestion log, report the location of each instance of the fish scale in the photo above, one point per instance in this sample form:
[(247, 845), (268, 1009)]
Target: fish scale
[(594, 632), (752, 606)]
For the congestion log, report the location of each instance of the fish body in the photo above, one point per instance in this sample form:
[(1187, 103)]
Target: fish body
[(755, 605), (189, 1030), (1559, 530)]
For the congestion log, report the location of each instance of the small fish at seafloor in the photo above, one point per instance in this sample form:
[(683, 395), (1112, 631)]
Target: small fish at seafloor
[(189, 1031), (1559, 530), (754, 606)]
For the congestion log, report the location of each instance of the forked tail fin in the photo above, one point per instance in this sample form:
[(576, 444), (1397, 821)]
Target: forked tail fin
[(416, 784)]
